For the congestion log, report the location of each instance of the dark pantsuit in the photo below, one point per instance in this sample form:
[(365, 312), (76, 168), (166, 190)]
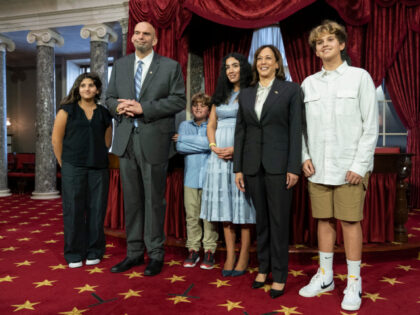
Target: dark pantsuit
[(144, 201), (272, 203), (85, 196)]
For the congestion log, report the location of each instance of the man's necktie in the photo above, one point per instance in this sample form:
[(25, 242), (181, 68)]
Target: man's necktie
[(137, 83)]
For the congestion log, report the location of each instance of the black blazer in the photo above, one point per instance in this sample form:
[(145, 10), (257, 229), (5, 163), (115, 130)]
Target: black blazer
[(275, 140)]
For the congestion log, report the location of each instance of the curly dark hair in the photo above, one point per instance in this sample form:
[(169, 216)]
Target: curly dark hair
[(224, 86), (74, 95)]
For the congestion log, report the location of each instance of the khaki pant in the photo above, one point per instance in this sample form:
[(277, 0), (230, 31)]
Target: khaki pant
[(343, 202), (192, 202)]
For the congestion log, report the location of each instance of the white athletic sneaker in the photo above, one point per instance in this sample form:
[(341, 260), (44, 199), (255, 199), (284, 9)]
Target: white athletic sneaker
[(317, 285), (352, 294), (75, 264), (90, 262)]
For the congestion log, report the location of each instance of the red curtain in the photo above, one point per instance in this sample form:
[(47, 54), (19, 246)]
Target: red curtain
[(170, 20), (114, 217)]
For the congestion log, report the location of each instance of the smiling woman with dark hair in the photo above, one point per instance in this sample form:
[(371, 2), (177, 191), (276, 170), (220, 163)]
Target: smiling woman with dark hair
[(81, 138), (267, 159), (221, 200)]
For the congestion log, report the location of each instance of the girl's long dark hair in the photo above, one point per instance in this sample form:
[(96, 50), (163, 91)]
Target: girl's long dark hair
[(74, 95), (224, 86)]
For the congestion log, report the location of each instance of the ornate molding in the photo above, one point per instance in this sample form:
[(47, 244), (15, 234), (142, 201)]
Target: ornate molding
[(99, 32), (45, 37), (6, 43), (124, 25)]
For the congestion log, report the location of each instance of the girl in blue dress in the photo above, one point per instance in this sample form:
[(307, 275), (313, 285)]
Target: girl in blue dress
[(221, 199)]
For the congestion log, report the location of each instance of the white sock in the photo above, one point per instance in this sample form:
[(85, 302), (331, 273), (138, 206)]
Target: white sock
[(326, 263), (353, 268)]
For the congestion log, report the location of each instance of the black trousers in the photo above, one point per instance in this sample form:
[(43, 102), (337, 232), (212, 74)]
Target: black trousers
[(144, 201), (85, 198), (272, 203)]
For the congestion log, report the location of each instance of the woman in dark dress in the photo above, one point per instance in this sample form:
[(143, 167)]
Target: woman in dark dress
[(81, 138)]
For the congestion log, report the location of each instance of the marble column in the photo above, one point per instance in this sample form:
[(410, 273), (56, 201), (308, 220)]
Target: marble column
[(99, 35), (9, 45), (45, 162), (124, 31)]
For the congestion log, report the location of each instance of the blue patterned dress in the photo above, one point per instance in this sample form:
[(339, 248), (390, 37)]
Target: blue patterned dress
[(221, 199)]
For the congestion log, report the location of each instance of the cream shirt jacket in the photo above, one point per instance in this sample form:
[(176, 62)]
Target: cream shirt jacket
[(342, 123)]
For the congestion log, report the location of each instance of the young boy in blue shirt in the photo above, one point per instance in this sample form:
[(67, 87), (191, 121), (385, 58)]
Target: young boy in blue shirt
[(192, 142)]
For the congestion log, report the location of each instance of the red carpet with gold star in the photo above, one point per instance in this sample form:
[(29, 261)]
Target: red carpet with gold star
[(35, 278)]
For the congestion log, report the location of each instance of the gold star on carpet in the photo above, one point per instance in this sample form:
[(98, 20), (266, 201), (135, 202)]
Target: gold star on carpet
[(25, 306), (173, 263), (4, 221), (416, 228), (297, 246), (266, 287), (46, 224), (231, 305), (365, 265), (342, 313), (341, 276), (39, 251), (175, 278), (178, 299), (15, 216), (36, 231), (44, 283), (9, 249), (134, 274), (96, 270), (23, 223), (406, 268), (106, 256), (288, 310), (373, 296), (252, 269), (390, 280), (110, 245), (24, 263), (54, 219), (296, 273), (12, 230), (216, 266), (60, 266), (316, 257), (130, 293), (1, 237), (7, 278), (24, 212), (74, 311), (409, 235), (24, 239), (59, 233), (86, 288), (323, 293), (50, 241), (34, 218), (220, 283)]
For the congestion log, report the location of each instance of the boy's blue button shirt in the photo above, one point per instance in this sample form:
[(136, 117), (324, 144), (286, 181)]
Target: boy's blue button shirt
[(193, 143)]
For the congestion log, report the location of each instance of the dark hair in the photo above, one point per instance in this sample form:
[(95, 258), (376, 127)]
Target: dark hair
[(74, 95), (201, 97), (224, 87), (279, 72)]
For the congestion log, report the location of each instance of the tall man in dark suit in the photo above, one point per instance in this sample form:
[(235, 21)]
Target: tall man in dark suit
[(144, 94)]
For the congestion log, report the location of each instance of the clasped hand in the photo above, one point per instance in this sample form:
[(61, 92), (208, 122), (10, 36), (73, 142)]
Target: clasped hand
[(129, 108), (223, 153)]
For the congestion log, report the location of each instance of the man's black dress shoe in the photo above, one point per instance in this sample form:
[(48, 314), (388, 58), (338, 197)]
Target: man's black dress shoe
[(127, 263), (276, 293), (154, 267)]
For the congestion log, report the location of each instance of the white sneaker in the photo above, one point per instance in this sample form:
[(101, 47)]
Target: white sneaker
[(352, 295), (75, 264), (90, 262), (317, 285)]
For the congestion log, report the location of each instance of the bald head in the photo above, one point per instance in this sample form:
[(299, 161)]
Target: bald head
[(144, 38)]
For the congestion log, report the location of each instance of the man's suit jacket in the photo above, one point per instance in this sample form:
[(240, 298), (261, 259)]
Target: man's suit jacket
[(275, 140), (162, 96)]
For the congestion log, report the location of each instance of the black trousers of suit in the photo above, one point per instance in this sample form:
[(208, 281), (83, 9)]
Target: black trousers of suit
[(272, 203), (85, 198), (144, 201)]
